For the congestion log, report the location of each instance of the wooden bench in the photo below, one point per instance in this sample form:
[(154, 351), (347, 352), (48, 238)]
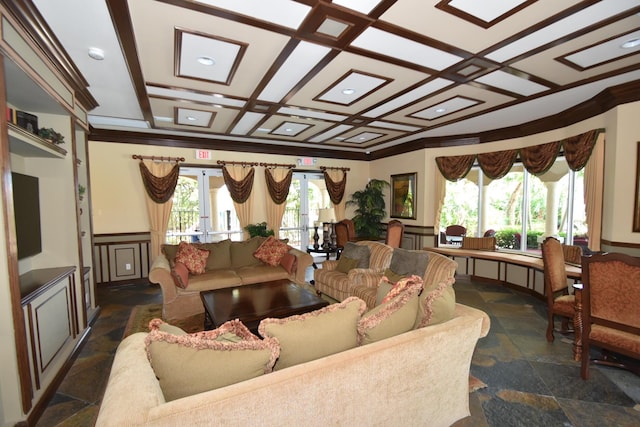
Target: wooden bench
[(515, 270)]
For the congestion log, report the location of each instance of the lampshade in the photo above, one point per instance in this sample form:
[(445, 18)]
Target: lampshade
[(326, 215)]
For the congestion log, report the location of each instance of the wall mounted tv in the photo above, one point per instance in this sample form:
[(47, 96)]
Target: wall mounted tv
[(26, 206)]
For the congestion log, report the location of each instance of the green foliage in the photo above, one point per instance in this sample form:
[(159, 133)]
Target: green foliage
[(51, 135), (370, 208), (259, 229), (506, 238)]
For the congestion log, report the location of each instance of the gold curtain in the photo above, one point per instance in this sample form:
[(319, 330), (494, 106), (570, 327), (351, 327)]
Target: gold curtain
[(336, 182), (454, 168), (239, 182), (440, 185), (497, 164), (278, 183), (158, 176), (537, 159), (593, 192)]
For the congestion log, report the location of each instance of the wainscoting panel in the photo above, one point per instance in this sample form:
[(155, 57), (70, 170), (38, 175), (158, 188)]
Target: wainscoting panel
[(121, 257)]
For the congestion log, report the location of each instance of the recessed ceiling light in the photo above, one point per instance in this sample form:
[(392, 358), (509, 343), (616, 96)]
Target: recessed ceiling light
[(630, 44), (96, 53), (191, 118), (288, 130), (218, 95), (440, 110), (348, 91), (217, 106), (206, 60)]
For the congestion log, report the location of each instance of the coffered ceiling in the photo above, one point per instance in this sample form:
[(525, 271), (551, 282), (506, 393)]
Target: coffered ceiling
[(350, 77)]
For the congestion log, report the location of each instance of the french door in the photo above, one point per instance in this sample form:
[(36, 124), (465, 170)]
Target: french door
[(307, 195), (202, 208)]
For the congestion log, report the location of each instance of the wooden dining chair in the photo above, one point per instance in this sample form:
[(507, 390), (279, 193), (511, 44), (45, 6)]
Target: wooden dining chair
[(395, 233), (556, 288), (572, 253), (610, 311)]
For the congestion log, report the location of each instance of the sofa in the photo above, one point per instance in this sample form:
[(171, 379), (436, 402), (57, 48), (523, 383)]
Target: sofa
[(419, 377), (228, 264), (337, 284)]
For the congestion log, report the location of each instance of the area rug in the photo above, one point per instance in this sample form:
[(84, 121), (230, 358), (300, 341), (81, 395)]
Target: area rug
[(141, 315)]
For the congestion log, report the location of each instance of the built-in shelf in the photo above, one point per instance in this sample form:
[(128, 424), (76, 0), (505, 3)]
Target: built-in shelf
[(27, 144)]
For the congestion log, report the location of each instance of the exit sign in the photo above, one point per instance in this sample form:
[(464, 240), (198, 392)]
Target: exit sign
[(306, 161), (203, 154)]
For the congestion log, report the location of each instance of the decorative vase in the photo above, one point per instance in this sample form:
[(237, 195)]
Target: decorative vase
[(316, 238)]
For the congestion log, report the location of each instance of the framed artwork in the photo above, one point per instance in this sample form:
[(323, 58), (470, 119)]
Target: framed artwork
[(403, 195)]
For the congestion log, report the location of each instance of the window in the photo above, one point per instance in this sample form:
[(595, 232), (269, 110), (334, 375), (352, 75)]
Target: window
[(520, 204)]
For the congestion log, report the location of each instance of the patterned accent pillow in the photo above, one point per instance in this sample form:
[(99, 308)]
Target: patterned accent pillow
[(316, 334), (345, 264), (180, 274), (271, 251), (360, 252), (193, 257), (394, 316), (409, 262), (193, 363)]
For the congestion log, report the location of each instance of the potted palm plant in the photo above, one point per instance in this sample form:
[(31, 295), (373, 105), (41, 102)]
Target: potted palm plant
[(370, 209)]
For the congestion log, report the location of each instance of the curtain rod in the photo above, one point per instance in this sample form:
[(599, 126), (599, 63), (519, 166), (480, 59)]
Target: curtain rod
[(323, 168), (224, 162), (160, 158), (278, 165)]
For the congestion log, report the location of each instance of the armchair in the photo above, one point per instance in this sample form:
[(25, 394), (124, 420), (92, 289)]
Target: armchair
[(395, 233), (455, 233), (338, 285), (608, 313)]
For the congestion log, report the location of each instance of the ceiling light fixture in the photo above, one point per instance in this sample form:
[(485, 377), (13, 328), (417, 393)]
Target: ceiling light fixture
[(191, 118), (441, 110), (206, 60), (630, 44), (96, 53), (218, 95), (348, 91), (288, 130)]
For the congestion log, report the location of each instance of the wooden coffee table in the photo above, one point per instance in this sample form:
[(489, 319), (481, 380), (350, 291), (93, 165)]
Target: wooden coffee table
[(252, 303)]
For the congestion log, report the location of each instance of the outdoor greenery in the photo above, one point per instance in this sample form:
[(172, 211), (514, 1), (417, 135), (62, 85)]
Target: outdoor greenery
[(370, 208), (259, 229)]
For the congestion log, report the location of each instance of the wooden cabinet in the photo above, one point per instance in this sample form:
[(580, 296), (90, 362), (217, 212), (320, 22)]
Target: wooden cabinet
[(50, 301)]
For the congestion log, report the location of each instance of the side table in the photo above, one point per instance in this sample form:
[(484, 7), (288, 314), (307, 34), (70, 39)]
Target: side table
[(321, 250)]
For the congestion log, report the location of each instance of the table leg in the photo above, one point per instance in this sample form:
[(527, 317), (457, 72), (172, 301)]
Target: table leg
[(577, 326)]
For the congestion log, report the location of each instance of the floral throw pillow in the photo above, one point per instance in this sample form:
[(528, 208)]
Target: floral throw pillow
[(193, 257), (271, 251)]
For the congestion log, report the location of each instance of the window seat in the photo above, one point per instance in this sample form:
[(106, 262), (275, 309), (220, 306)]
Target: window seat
[(514, 270)]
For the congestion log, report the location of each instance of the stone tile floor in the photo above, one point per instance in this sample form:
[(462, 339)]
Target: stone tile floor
[(529, 382)]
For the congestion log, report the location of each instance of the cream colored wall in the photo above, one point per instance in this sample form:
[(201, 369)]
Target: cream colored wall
[(116, 186)]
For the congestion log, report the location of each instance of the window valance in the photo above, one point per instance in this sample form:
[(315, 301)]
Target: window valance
[(537, 159)]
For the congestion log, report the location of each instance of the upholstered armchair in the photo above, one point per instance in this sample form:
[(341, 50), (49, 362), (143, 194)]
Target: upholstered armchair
[(439, 269), (338, 285), (609, 313), (556, 288), (395, 233)]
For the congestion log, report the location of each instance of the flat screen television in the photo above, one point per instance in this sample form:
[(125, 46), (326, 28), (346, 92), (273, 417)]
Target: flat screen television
[(26, 206)]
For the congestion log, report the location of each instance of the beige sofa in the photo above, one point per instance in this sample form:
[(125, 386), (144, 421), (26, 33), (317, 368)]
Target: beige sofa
[(339, 285), (413, 379), (230, 264)]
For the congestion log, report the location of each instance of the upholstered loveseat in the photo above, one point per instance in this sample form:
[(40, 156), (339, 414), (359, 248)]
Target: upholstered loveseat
[(228, 264), (332, 281), (415, 378)]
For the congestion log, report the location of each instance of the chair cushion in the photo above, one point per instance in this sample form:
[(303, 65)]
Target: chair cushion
[(359, 252), (316, 334), (394, 315), (193, 257), (194, 363), (345, 264)]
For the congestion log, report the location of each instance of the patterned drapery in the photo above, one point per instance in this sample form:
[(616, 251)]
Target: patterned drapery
[(278, 190), (454, 168), (536, 159), (335, 188), (497, 164), (159, 188), (239, 190)]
